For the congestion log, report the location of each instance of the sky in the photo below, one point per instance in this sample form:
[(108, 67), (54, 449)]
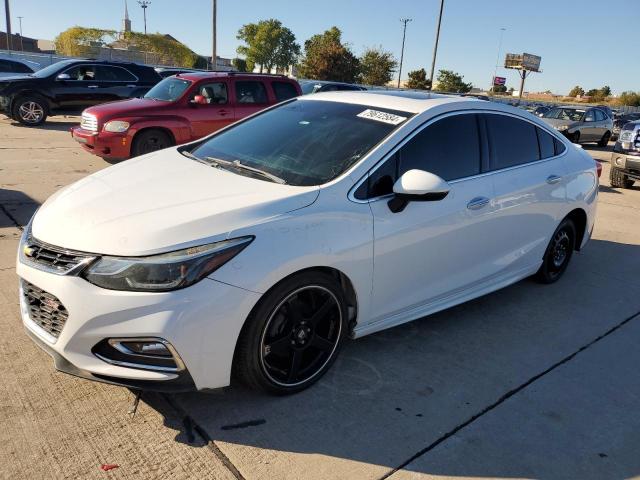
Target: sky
[(580, 41)]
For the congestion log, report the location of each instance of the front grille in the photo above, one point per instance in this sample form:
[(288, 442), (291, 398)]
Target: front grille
[(89, 122), (52, 259), (45, 310)]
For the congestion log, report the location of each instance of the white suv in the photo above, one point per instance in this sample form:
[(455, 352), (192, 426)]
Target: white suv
[(258, 250)]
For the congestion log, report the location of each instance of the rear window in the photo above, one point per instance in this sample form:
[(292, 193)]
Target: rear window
[(513, 141), (284, 91)]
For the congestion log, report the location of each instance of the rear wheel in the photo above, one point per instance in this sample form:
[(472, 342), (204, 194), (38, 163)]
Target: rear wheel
[(30, 110), (558, 253), (604, 141), (149, 141), (294, 334), (618, 179)]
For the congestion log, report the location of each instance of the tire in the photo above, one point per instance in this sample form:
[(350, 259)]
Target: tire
[(558, 253), (618, 179), (293, 335), (149, 141), (30, 110), (604, 141), (575, 137)]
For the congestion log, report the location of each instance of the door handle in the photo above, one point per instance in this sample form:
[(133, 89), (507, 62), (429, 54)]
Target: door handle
[(551, 179), (131, 86), (477, 203), (224, 112), (92, 86)]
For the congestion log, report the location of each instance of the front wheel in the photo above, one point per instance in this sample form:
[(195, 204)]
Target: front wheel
[(30, 111), (294, 334), (149, 141), (558, 254), (618, 179)]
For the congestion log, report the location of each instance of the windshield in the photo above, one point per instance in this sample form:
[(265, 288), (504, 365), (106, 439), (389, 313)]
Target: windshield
[(51, 69), (303, 142), (168, 90), (571, 114)]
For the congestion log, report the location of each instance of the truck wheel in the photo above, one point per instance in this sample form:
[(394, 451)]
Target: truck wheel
[(149, 141), (618, 179), (30, 110), (604, 141)]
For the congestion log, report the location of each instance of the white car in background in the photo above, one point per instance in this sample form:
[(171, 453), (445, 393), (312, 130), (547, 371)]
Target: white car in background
[(257, 250)]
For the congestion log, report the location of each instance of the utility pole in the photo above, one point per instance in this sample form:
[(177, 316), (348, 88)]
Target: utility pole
[(495, 72), (404, 34), (144, 4), (214, 57), (21, 42), (435, 47), (8, 17)]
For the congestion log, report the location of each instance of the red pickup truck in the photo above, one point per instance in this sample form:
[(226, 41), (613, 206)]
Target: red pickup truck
[(177, 110)]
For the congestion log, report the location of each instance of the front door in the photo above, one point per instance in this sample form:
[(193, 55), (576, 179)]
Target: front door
[(78, 91), (433, 249)]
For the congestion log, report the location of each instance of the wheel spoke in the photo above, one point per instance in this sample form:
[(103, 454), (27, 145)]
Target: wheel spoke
[(296, 361), (321, 343), (280, 346), (322, 312)]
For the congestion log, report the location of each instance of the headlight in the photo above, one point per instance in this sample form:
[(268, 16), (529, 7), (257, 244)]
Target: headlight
[(116, 126), (167, 271), (562, 128)]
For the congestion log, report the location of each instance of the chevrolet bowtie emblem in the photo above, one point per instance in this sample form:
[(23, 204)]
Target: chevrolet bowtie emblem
[(28, 250)]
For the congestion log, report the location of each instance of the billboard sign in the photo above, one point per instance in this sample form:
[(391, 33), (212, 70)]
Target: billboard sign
[(523, 61), (499, 80)]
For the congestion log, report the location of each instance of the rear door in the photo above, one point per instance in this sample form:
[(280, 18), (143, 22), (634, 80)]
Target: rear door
[(218, 112), (250, 97), (529, 180), (114, 83)]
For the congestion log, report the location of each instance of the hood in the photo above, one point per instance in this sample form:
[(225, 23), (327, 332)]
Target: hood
[(12, 77), (160, 202), (132, 107), (554, 122)]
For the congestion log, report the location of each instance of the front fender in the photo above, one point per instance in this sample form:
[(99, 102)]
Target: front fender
[(179, 127)]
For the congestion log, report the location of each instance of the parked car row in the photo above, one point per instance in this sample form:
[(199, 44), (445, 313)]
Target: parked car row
[(581, 124)]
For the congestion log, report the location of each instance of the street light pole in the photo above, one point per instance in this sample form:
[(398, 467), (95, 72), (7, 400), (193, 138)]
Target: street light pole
[(404, 34), (8, 17), (21, 42), (144, 4), (435, 47), (495, 72), (214, 57)]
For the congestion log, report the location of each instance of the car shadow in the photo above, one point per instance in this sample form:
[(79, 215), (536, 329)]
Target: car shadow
[(393, 393), (16, 208), (56, 125)]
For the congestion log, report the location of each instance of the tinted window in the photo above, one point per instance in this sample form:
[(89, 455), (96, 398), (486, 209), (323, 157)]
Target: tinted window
[(512, 141), (303, 142), (559, 146), (600, 116), (251, 92), (547, 149), (15, 67), (21, 68), (113, 74), (215, 93), (85, 73), (348, 87), (449, 148), (284, 90)]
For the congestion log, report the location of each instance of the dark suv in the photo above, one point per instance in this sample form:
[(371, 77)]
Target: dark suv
[(70, 86)]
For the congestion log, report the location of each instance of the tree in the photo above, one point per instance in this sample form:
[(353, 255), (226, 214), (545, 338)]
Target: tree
[(327, 58), (418, 80), (629, 98), (164, 46), (499, 89), (575, 91), (605, 91), (79, 41), (377, 67), (268, 44), (450, 81), (240, 64)]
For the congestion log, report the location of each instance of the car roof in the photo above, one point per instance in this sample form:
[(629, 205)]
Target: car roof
[(195, 76), (405, 101)]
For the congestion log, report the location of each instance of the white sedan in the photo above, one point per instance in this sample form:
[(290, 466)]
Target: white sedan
[(254, 253)]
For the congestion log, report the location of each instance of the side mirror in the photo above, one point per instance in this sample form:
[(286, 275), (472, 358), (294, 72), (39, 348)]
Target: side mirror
[(63, 76), (417, 186), (199, 100)]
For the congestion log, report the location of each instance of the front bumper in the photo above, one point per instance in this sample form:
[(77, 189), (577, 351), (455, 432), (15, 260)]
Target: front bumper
[(115, 146), (630, 164), (201, 322)]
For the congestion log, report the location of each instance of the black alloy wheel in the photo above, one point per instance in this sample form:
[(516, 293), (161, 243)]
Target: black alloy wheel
[(149, 141), (558, 253), (294, 335)]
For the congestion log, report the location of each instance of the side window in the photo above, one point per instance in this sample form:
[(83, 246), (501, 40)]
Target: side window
[(21, 68), (83, 73), (251, 92), (590, 116), (512, 141), (599, 115), (113, 74), (449, 148), (215, 93), (6, 66), (546, 142), (559, 146), (284, 91)]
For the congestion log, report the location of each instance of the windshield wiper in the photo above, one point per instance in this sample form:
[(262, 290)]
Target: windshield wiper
[(236, 164)]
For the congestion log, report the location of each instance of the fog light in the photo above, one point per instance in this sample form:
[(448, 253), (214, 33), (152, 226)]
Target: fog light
[(619, 161), (145, 348), (146, 353)]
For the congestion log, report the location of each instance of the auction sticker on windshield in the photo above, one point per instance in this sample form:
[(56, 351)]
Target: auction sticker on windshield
[(382, 116)]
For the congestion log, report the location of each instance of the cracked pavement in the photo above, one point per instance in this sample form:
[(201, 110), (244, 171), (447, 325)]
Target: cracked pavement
[(529, 382)]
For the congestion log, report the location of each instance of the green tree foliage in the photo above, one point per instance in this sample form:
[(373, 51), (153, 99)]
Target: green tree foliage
[(629, 98), (418, 80), (268, 44), (78, 41), (575, 91), (240, 64), (177, 53), (327, 58), (450, 81), (377, 67), (499, 88)]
